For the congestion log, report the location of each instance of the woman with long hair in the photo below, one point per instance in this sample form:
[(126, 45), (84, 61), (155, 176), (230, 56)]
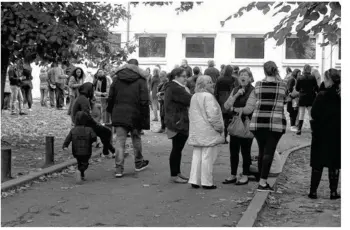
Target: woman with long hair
[(292, 104), (326, 135), (75, 81), (154, 99), (268, 122)]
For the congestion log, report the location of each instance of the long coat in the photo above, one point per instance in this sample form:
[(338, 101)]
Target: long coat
[(326, 135), (206, 121), (176, 103), (128, 100), (307, 87)]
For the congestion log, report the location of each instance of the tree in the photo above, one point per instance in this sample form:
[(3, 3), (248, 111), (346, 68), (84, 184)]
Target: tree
[(306, 17), (184, 6), (48, 31)]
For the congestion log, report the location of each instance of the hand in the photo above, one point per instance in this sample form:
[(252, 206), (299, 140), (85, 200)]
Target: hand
[(240, 92)]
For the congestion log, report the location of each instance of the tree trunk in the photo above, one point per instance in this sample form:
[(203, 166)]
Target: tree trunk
[(4, 64)]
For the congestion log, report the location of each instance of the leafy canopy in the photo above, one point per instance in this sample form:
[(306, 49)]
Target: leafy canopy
[(307, 17)]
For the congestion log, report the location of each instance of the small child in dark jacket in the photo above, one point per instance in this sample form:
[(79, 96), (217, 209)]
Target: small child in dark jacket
[(82, 138)]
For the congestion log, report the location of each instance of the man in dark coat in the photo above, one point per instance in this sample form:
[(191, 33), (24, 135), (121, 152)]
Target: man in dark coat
[(187, 68), (83, 103), (212, 71), (128, 102)]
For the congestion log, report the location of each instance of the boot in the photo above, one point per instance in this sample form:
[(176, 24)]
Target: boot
[(333, 176), (316, 175), (300, 125)]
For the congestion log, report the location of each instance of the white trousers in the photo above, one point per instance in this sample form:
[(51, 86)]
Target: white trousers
[(203, 160), (302, 110)]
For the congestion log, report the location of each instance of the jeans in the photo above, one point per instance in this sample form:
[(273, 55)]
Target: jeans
[(293, 113), (244, 145), (155, 108), (16, 95), (302, 112), (27, 97), (226, 118), (267, 142), (43, 94), (59, 95), (106, 117), (52, 94), (120, 147), (179, 142)]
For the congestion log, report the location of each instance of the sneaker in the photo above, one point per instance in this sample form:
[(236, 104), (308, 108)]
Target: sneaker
[(143, 166), (179, 180), (118, 174), (265, 188), (209, 187), (294, 129), (78, 176), (312, 195), (182, 176), (195, 186), (30, 110)]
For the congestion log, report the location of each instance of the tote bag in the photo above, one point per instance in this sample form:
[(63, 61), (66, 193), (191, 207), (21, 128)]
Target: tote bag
[(239, 128)]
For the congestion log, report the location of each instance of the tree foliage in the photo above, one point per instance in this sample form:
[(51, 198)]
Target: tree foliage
[(308, 18), (49, 31), (184, 6)]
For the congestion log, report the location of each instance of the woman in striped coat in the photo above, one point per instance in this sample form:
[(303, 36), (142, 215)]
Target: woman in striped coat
[(268, 121)]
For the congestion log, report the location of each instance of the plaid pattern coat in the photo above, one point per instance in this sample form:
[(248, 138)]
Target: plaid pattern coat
[(269, 110)]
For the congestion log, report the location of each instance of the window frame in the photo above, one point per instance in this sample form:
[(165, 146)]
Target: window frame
[(198, 61), (151, 60), (298, 61), (253, 61)]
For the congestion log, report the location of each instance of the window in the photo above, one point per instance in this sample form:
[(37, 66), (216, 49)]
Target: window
[(295, 49), (152, 47), (339, 49), (199, 47), (250, 48)]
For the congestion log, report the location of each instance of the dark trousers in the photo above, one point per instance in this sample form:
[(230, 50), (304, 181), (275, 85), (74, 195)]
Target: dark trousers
[(52, 93), (179, 142), (27, 96), (162, 115), (316, 175), (227, 119), (267, 142), (162, 122), (105, 134), (244, 145), (83, 163), (293, 113), (7, 101), (59, 95)]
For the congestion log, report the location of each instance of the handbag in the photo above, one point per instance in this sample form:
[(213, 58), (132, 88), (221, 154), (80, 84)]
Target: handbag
[(239, 128)]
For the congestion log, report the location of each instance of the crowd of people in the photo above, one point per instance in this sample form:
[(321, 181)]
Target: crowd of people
[(199, 109)]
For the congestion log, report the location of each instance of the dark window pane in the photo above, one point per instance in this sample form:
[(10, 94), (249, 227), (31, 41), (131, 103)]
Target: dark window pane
[(249, 48), (152, 47), (300, 50), (200, 47), (339, 49)]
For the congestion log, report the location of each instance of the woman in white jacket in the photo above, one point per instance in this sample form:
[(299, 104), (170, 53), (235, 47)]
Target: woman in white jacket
[(205, 134)]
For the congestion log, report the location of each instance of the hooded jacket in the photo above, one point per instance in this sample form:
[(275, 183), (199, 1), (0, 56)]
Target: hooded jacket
[(128, 100), (82, 103), (81, 136)]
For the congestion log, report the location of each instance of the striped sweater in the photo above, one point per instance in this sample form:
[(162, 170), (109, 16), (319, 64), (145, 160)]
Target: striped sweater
[(269, 110)]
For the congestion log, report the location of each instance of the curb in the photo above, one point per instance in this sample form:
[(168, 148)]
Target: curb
[(27, 178), (251, 214)]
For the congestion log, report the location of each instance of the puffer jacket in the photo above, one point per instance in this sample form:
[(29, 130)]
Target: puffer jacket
[(83, 102), (206, 121)]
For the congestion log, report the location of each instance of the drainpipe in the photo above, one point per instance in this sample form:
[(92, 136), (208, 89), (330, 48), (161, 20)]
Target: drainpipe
[(323, 59), (331, 59), (128, 25)]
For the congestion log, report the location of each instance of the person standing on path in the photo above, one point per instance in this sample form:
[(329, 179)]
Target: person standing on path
[(128, 102), (154, 86), (307, 87), (82, 138), (160, 95), (52, 85), (176, 103), (241, 101), (187, 68), (83, 103), (15, 78), (103, 85), (205, 133), (212, 71), (44, 86), (7, 94), (27, 85), (326, 135), (268, 122), (57, 79), (292, 105), (223, 89), (191, 81), (75, 81)]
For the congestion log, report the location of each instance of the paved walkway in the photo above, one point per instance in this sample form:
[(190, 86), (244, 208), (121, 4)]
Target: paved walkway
[(138, 199)]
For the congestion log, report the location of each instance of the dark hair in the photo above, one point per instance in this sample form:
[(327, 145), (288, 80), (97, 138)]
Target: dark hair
[(228, 71), (270, 69), (307, 69), (133, 62), (75, 72), (66, 63), (196, 70), (222, 66), (334, 75), (176, 73), (246, 70), (235, 69), (295, 73), (288, 70)]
